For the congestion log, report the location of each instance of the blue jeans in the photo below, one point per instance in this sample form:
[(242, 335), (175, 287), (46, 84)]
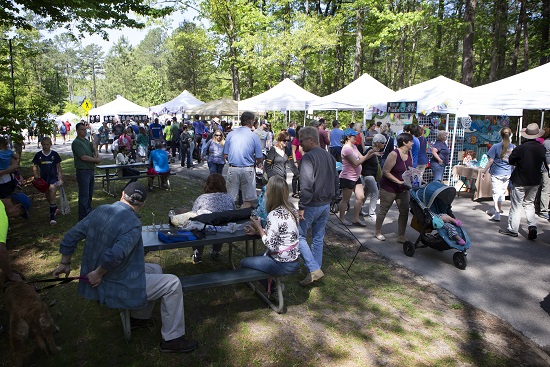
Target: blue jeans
[(215, 167), (438, 171), (186, 156), (315, 217), (85, 180), (270, 266)]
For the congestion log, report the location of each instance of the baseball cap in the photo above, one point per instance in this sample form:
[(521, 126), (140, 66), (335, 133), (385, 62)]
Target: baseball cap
[(350, 132), (25, 202), (136, 193), (314, 123)]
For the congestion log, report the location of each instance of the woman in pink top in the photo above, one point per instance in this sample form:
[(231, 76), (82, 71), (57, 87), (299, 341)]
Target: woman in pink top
[(350, 177)]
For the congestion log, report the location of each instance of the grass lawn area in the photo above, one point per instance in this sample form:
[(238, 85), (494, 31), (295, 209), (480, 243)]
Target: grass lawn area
[(377, 315)]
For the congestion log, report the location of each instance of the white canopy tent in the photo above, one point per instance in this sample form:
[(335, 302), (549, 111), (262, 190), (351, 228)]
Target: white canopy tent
[(437, 95), (358, 95), (219, 107), (285, 96), (529, 90), (120, 106), (181, 103), (68, 116)]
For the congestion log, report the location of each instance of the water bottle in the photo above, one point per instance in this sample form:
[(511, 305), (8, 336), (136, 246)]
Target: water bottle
[(171, 214)]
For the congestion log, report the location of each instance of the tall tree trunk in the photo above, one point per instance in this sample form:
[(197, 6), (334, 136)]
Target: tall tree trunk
[(525, 44), (468, 44), (519, 24), (499, 40), (357, 62), (545, 33), (401, 59), (439, 35), (235, 88)]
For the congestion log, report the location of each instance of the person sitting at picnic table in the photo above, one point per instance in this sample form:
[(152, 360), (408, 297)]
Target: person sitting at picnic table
[(280, 235), (122, 158), (117, 275), (159, 166), (214, 199)]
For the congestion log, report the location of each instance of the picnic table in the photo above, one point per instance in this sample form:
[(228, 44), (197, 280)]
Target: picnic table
[(481, 187), (210, 279), (109, 178)]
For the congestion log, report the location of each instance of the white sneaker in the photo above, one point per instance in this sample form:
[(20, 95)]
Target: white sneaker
[(53, 222), (495, 218)]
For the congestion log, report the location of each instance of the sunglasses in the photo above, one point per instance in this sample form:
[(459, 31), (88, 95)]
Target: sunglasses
[(217, 135)]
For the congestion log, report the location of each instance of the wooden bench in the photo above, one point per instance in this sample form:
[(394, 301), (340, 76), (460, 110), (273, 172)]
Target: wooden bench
[(113, 178), (219, 279)]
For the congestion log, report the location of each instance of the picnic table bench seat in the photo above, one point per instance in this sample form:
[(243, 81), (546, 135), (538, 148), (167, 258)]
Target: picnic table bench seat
[(218, 279)]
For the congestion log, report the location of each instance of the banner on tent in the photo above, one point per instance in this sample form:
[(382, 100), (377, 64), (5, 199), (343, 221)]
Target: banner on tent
[(402, 107)]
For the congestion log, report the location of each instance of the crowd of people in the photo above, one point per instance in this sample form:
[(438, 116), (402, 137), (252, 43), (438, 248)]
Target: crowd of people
[(372, 166)]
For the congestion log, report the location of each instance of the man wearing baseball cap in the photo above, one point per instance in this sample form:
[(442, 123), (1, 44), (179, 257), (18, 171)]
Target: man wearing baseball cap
[(113, 262), (15, 206)]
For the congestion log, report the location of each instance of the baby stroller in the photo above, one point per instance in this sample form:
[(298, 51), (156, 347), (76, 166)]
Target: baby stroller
[(425, 203)]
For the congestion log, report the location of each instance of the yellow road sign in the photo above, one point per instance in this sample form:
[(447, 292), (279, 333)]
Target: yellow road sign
[(86, 105)]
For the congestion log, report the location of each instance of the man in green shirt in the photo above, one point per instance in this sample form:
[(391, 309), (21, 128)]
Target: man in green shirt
[(85, 160)]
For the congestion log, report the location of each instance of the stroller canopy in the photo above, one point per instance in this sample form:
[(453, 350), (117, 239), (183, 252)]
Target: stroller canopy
[(436, 196)]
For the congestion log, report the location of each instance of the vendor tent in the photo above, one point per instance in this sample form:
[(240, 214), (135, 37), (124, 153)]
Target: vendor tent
[(219, 107), (285, 96), (68, 116), (529, 90), (181, 103), (439, 95), (358, 95), (120, 106)]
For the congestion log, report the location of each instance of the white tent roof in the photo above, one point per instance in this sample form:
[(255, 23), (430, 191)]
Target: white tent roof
[(219, 107), (284, 96), (529, 90), (120, 106), (181, 103), (438, 95), (358, 95), (68, 116)]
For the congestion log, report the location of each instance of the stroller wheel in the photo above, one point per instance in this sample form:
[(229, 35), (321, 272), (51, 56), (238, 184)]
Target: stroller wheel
[(408, 248), (459, 259)]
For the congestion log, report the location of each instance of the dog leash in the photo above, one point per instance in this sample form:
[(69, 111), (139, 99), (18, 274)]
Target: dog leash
[(58, 281)]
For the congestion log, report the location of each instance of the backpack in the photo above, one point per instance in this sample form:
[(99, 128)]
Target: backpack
[(63, 129), (185, 139)]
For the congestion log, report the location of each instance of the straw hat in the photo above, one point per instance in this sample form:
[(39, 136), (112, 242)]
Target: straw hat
[(532, 131)]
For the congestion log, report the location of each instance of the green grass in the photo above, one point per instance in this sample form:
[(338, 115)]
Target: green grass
[(379, 318)]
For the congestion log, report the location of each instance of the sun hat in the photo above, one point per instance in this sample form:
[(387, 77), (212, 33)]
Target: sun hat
[(350, 132), (25, 202), (135, 193), (532, 131)]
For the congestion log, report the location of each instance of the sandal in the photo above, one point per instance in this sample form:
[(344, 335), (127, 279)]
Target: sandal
[(360, 224), (346, 223), (380, 237)]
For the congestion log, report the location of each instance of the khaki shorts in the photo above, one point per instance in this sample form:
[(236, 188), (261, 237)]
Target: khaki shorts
[(244, 179)]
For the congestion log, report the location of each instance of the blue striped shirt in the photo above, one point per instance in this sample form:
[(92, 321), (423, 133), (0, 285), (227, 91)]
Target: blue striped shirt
[(113, 241)]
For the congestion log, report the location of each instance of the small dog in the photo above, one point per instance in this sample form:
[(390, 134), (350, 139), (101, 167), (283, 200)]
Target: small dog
[(29, 316)]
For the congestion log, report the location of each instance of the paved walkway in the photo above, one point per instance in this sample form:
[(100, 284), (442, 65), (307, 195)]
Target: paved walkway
[(508, 277)]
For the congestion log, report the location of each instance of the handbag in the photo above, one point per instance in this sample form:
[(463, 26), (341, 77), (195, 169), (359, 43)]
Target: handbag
[(64, 201), (378, 176)]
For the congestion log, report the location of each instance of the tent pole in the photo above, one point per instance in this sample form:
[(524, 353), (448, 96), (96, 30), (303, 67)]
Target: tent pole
[(453, 143), (447, 124), (542, 119), (519, 129), (305, 111)]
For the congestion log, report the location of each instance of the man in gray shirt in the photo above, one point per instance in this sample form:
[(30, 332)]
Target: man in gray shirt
[(318, 186)]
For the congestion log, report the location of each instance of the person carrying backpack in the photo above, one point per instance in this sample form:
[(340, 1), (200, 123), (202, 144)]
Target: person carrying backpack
[(186, 145)]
